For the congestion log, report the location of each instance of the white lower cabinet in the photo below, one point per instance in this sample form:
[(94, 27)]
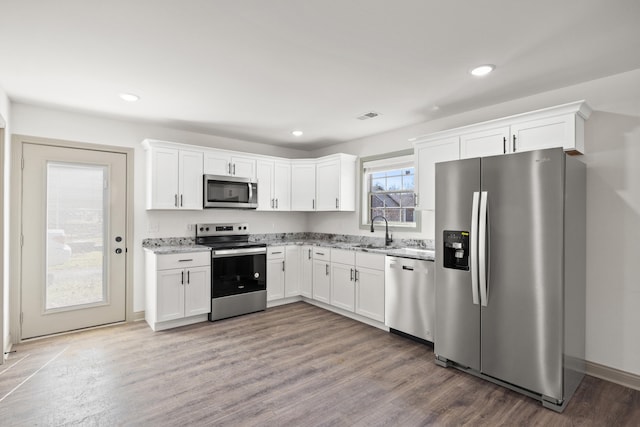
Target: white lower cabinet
[(292, 271), (322, 275), (178, 288), (357, 282), (306, 273), (275, 273), (283, 272)]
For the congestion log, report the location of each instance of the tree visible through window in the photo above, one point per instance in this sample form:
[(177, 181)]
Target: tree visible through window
[(391, 194)]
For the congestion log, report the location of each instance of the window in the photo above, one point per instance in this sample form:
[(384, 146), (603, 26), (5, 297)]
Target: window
[(388, 189)]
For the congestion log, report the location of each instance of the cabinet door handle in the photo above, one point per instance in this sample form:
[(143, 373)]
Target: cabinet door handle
[(188, 276), (229, 168), (276, 203), (514, 143), (326, 269), (504, 145), (357, 278), (313, 204), (234, 168), (309, 253), (337, 203), (182, 279), (181, 200), (272, 204), (282, 265), (351, 277), (175, 200)]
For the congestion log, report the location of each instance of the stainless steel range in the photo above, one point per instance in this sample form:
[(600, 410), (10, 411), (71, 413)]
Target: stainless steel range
[(238, 269)]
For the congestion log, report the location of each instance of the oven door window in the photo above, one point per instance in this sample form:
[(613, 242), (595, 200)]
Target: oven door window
[(225, 191), (232, 275)]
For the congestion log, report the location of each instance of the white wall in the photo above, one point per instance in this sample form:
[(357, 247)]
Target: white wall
[(55, 124), (613, 204), (5, 340)]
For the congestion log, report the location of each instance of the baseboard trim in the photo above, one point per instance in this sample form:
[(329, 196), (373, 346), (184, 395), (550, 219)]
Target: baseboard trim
[(136, 316), (613, 375)]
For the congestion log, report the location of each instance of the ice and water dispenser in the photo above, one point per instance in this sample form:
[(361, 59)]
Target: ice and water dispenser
[(456, 249)]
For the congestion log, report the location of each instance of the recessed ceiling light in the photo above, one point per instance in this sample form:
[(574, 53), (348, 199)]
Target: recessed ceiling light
[(297, 133), (483, 70), (129, 97)]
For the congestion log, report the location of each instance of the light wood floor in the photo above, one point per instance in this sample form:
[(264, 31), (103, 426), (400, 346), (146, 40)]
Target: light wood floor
[(293, 365)]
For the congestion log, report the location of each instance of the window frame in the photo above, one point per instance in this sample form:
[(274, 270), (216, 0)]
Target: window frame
[(363, 214)]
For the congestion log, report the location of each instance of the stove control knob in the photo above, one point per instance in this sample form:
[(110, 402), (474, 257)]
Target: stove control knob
[(207, 228), (201, 228), (256, 275)]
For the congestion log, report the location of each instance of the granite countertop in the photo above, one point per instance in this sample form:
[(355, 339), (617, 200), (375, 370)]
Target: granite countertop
[(163, 246), (413, 252)]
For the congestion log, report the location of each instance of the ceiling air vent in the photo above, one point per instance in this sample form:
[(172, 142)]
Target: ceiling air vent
[(367, 116)]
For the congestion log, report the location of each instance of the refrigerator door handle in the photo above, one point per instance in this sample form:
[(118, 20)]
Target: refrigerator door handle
[(474, 248), (482, 249)]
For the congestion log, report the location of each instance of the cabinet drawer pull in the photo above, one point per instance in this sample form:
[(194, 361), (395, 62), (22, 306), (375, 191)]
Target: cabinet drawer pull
[(320, 253), (276, 253), (185, 260)]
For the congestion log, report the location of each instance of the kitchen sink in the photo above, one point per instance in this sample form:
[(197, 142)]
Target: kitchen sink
[(365, 246)]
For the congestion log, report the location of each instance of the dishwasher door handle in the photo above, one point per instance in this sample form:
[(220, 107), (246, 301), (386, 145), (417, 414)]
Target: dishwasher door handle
[(406, 267)]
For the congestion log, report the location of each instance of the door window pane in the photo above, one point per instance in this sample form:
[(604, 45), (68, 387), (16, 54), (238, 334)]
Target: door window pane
[(76, 229)]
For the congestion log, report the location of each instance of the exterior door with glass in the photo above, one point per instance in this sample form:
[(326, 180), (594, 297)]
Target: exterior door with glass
[(73, 270)]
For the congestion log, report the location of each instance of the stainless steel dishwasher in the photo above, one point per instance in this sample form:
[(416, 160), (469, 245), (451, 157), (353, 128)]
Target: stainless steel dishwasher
[(410, 296)]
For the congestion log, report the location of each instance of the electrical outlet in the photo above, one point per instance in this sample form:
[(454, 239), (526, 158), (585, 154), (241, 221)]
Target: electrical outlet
[(190, 227)]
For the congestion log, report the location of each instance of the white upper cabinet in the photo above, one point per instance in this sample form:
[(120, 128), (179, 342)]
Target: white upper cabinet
[(565, 131), (336, 183), (303, 185), (174, 176), (560, 126), (427, 154), (489, 142), (227, 163), (274, 185)]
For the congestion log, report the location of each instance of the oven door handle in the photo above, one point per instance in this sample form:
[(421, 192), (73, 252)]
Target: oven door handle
[(233, 252)]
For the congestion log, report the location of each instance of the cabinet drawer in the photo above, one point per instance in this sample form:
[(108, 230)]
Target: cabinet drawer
[(275, 252), (343, 256), (369, 260), (184, 260), (323, 254)]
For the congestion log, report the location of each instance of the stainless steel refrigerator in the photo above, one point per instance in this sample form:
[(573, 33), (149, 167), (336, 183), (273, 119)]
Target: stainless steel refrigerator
[(510, 271)]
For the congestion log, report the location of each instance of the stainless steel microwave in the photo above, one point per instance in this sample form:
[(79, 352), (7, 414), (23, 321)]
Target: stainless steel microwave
[(230, 192)]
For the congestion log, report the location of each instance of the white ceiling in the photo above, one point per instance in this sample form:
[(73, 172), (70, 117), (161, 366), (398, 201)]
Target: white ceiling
[(258, 69)]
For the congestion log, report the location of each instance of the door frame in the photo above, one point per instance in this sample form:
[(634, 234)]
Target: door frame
[(17, 142)]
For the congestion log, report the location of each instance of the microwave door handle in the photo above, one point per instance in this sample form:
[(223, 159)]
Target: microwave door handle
[(250, 192)]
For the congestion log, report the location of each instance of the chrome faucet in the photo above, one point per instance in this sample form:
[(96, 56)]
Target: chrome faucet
[(387, 238)]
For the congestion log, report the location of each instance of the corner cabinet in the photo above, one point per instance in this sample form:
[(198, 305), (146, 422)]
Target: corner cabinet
[(303, 185), (560, 126), (336, 183), (178, 289), (174, 176)]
